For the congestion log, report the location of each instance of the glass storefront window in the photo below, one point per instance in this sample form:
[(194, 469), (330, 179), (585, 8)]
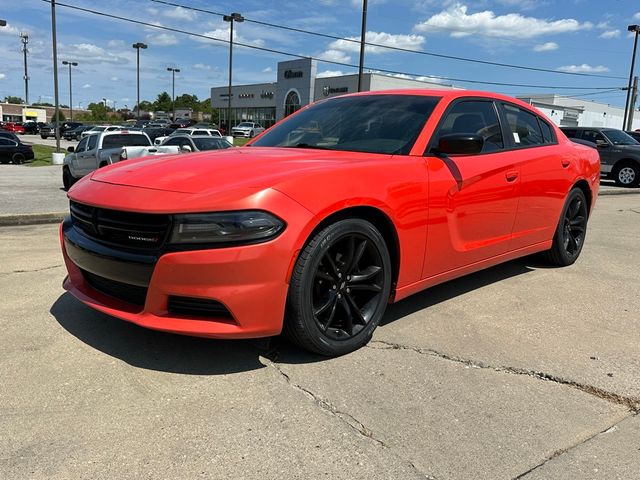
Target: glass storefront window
[(291, 103)]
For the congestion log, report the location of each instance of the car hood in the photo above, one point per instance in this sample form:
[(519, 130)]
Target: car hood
[(230, 169)]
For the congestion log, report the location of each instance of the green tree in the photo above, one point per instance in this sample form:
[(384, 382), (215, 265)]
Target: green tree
[(98, 111), (58, 116), (188, 101), (42, 104), (145, 106), (12, 99), (162, 103)]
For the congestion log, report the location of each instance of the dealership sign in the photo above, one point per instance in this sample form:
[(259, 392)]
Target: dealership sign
[(292, 74), (327, 90)]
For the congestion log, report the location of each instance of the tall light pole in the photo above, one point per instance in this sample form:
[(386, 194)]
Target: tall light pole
[(173, 89), (363, 34), (234, 17), (55, 73), (636, 29), (71, 64), (138, 46), (24, 38)]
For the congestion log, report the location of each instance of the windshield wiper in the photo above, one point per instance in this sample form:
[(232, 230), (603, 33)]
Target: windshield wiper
[(307, 145)]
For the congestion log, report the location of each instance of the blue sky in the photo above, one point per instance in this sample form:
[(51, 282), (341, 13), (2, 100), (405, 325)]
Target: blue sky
[(582, 36)]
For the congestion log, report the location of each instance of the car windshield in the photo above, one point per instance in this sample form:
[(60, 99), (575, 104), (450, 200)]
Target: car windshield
[(125, 140), (367, 123), (245, 124), (618, 137), (210, 143), (98, 129), (181, 131)]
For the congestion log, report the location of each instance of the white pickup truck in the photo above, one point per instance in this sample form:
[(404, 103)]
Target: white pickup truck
[(100, 149)]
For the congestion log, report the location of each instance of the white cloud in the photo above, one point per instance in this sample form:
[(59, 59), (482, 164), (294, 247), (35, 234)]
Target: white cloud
[(162, 39), (334, 56), (411, 42), (636, 16), (267, 70), (546, 47), (2, 76), (584, 68), (180, 13), (9, 29), (201, 66), (223, 34), (114, 79), (610, 34), (514, 26), (329, 73), (115, 44), (92, 54), (86, 85), (431, 79)]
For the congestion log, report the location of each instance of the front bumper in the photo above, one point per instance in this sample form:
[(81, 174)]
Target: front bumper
[(241, 133), (250, 281)]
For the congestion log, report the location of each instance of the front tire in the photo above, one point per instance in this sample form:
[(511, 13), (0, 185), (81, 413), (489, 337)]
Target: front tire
[(339, 288), (571, 230), (627, 174), (67, 179)]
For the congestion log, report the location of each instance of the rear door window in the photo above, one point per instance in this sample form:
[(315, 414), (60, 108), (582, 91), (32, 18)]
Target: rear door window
[(524, 127), (593, 136)]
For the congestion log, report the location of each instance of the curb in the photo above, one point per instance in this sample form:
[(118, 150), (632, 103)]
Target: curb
[(622, 191), (31, 219)]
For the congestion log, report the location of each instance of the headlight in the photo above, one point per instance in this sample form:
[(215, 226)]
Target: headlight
[(225, 227)]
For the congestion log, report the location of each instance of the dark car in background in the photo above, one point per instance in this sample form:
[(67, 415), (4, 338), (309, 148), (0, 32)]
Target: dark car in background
[(74, 134), (49, 130), (155, 132), (14, 151), (619, 152), (182, 123), (32, 128)]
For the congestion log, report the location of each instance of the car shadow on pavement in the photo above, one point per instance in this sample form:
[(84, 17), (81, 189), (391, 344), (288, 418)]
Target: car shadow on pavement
[(153, 350)]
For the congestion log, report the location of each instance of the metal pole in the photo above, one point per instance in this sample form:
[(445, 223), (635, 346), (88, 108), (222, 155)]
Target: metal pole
[(138, 78), (229, 90), (363, 34), (25, 40), (55, 72), (632, 107), (70, 95), (173, 93), (633, 61)]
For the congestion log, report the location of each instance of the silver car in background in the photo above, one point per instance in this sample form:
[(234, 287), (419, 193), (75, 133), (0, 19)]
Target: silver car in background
[(247, 129)]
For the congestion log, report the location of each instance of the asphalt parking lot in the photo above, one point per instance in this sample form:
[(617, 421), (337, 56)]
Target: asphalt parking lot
[(521, 371), (51, 141)]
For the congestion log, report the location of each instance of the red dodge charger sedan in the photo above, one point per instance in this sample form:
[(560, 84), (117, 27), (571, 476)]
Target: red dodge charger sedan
[(313, 228)]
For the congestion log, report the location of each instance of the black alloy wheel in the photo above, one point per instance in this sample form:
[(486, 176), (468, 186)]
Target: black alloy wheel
[(18, 158), (571, 230), (339, 289)]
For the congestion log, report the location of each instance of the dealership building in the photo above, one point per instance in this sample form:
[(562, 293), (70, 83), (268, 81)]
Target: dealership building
[(298, 85)]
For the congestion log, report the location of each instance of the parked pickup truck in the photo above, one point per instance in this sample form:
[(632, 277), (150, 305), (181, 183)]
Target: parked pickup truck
[(101, 149)]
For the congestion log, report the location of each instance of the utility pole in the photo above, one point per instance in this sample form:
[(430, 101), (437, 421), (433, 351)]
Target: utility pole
[(632, 107), (636, 30), (24, 38), (70, 64), (234, 17), (173, 89), (363, 34), (138, 46)]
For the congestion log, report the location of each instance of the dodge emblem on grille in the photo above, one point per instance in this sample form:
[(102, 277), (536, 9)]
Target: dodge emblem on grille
[(142, 239)]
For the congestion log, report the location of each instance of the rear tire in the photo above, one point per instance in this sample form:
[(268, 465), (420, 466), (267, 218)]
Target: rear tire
[(627, 174), (18, 158), (571, 230), (339, 288)]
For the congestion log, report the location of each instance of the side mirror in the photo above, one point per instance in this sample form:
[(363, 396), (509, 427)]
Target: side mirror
[(185, 148), (601, 144), (460, 144), (71, 149)]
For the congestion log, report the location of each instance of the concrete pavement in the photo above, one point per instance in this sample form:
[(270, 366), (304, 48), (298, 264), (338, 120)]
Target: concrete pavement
[(521, 371)]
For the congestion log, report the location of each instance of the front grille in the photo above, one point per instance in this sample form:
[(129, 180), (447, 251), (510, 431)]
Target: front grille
[(197, 307), (122, 291), (146, 231)]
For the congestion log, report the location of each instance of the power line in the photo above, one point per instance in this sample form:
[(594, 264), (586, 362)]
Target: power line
[(389, 47), (342, 64)]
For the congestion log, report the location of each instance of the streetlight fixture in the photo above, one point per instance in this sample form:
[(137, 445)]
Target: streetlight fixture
[(234, 17), (138, 46), (636, 29), (3, 23), (71, 64), (173, 89)]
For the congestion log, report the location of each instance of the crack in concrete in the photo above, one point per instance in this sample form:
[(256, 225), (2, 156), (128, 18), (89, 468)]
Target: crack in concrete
[(562, 451), (31, 271), (355, 424), (633, 404)]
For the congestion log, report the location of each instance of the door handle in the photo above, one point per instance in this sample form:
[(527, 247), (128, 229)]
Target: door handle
[(565, 162), (511, 176)]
